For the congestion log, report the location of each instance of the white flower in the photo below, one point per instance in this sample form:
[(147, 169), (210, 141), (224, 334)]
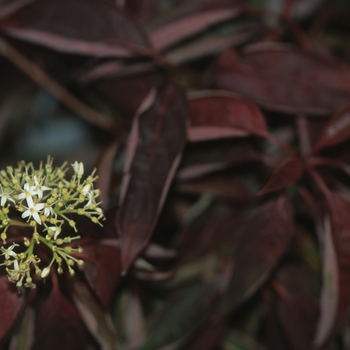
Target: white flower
[(86, 189), (8, 252), (27, 194), (78, 168), (56, 231), (38, 188), (33, 211), (48, 210), (5, 196)]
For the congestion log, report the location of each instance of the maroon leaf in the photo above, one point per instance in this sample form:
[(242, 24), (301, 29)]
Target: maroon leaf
[(102, 29), (336, 130), (220, 114), (11, 303), (154, 150), (330, 285), (190, 25), (96, 318), (264, 239), (104, 171), (102, 269), (286, 174), (12, 6), (59, 324), (284, 79), (340, 221), (296, 305)]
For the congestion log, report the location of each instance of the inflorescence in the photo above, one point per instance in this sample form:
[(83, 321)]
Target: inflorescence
[(43, 200)]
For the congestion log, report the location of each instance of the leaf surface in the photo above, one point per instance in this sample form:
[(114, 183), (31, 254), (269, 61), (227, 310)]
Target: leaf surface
[(259, 250), (219, 115), (286, 174), (154, 150), (11, 303), (102, 29), (285, 79), (59, 324)]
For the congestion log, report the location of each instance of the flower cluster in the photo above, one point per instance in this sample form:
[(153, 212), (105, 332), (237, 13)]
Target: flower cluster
[(43, 200)]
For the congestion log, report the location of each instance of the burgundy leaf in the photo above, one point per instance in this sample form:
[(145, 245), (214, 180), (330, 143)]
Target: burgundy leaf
[(104, 171), (264, 239), (330, 285), (340, 221), (59, 325), (284, 79), (154, 150), (187, 310), (214, 43), (296, 305), (96, 318), (102, 269), (219, 115), (11, 303), (210, 336), (335, 131), (10, 7), (286, 174), (102, 29), (190, 25)]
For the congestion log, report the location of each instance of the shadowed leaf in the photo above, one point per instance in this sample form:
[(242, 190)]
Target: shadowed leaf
[(220, 114), (154, 150), (336, 130), (259, 250), (286, 174), (102, 29), (11, 303), (186, 26), (185, 312), (102, 269), (259, 77), (96, 319), (296, 305), (59, 325)]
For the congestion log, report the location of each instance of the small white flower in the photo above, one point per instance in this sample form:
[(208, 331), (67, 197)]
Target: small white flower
[(56, 231), (33, 211), (48, 210), (38, 188), (45, 272), (27, 194), (8, 252), (78, 168), (5, 196), (86, 189)]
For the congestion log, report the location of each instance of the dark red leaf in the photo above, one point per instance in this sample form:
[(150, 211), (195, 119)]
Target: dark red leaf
[(286, 174), (336, 130), (187, 310), (102, 29), (10, 7), (210, 336), (264, 238), (59, 325), (11, 303), (187, 26), (296, 305), (104, 171), (96, 318), (102, 269), (154, 150), (337, 302), (220, 114), (284, 79)]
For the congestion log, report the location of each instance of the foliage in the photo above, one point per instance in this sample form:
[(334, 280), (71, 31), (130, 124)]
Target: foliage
[(219, 132)]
